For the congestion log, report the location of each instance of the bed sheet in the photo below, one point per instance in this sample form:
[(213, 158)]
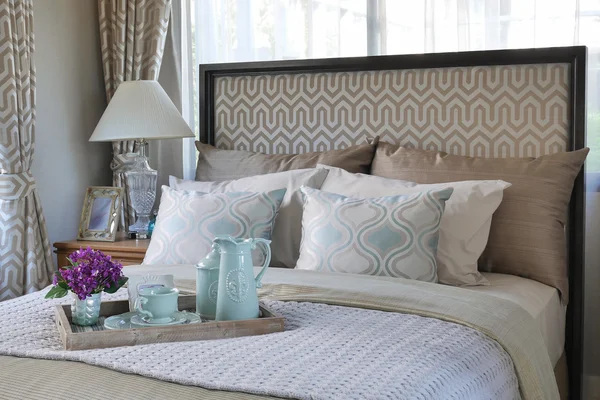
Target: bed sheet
[(541, 301)]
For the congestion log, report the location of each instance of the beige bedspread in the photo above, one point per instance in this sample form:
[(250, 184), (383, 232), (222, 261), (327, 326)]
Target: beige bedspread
[(501, 320)]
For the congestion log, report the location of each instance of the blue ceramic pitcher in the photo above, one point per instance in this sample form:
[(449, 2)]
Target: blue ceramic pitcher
[(236, 297)]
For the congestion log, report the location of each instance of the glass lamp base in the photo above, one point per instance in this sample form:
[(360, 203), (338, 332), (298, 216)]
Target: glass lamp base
[(141, 181), (141, 226)]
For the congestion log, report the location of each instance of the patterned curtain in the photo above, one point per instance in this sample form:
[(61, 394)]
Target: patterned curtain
[(25, 255), (132, 36)]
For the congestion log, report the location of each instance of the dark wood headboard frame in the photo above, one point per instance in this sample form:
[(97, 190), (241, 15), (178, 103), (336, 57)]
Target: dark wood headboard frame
[(575, 56)]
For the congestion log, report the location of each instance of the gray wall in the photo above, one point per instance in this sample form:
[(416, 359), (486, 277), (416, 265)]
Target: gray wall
[(70, 101)]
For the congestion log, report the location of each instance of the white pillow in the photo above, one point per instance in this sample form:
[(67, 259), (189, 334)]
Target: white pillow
[(385, 236), (287, 233), (465, 224)]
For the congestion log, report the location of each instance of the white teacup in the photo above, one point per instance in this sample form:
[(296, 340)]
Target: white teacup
[(157, 304)]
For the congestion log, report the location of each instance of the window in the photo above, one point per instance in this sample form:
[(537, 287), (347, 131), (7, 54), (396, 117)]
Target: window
[(253, 30)]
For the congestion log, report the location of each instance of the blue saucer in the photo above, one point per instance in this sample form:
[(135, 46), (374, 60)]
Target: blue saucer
[(124, 321)]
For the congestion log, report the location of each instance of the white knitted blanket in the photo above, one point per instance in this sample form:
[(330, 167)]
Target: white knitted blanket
[(326, 352)]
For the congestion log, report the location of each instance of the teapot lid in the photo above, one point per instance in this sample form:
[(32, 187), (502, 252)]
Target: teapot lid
[(212, 259)]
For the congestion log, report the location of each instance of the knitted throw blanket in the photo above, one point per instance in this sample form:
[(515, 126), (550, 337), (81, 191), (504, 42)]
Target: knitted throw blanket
[(326, 351)]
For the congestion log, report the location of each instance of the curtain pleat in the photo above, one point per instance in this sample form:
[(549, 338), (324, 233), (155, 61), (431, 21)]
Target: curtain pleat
[(132, 38), (25, 255)]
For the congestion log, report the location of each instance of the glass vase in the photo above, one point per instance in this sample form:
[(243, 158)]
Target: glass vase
[(86, 312)]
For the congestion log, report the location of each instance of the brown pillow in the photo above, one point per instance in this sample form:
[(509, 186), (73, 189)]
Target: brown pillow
[(222, 165), (527, 236)]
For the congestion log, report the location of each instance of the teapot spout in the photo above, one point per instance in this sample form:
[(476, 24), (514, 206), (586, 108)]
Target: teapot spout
[(221, 240)]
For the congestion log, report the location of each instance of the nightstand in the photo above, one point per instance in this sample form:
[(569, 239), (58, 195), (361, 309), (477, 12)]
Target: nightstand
[(126, 251)]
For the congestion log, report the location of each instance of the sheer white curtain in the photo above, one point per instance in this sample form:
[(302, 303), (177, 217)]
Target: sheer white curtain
[(453, 25), (253, 30)]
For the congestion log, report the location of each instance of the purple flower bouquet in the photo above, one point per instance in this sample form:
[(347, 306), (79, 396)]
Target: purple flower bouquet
[(91, 272)]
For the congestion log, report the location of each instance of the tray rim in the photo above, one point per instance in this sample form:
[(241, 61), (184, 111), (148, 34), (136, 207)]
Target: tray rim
[(273, 322)]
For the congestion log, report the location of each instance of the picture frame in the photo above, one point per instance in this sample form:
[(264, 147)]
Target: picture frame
[(100, 213)]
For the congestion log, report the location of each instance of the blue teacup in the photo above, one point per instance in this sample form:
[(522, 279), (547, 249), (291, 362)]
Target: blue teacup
[(157, 304)]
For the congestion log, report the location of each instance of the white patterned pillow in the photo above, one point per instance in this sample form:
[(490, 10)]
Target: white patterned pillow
[(287, 231), (386, 236), (465, 225), (187, 222)]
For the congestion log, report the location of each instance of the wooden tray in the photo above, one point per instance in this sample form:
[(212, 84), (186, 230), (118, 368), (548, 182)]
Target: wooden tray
[(97, 337)]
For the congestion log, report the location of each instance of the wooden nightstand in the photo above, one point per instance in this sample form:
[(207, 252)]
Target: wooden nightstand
[(126, 251)]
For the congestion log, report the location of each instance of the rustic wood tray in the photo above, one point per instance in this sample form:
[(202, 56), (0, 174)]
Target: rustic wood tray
[(97, 337)]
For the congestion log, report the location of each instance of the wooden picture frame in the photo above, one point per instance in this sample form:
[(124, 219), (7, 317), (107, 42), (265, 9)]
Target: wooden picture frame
[(100, 213)]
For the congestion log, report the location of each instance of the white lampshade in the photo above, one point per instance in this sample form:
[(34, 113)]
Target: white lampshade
[(140, 110)]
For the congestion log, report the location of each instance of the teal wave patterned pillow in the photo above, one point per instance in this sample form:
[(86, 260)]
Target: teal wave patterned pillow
[(387, 236), (188, 221)]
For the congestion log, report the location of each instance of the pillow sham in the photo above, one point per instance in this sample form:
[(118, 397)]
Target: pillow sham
[(465, 225), (527, 235), (221, 165), (188, 221), (388, 236), (287, 232)]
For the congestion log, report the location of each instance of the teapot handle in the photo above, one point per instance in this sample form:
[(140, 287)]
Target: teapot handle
[(267, 250)]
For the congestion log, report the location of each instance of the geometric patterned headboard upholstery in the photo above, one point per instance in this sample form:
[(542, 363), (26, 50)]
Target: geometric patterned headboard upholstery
[(491, 111)]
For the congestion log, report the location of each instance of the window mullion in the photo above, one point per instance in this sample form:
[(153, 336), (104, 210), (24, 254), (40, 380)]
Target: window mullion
[(374, 32)]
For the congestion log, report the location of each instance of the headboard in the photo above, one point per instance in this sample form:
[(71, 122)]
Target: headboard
[(505, 103)]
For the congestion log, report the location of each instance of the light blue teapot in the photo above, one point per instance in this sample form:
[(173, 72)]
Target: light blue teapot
[(236, 296), (207, 283)]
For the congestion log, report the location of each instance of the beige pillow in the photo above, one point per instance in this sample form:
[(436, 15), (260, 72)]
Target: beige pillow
[(465, 224), (527, 235), (220, 165), (287, 231)]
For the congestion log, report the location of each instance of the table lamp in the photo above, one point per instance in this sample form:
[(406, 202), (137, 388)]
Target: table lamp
[(141, 110)]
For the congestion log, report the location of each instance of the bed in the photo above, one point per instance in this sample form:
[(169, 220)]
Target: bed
[(273, 108), (540, 301), (419, 80)]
